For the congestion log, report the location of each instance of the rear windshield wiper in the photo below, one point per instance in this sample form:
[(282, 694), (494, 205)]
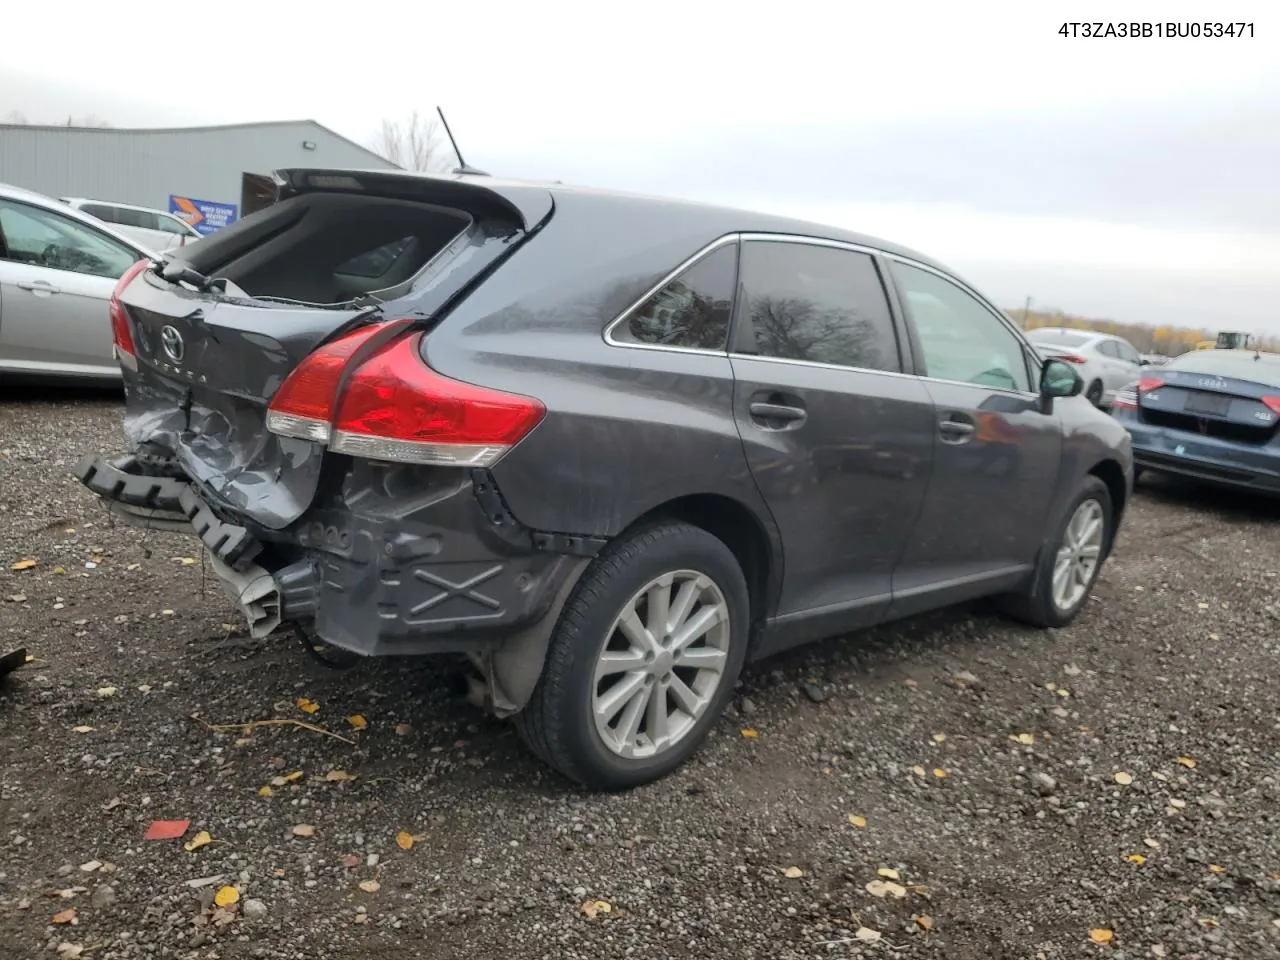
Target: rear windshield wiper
[(175, 271)]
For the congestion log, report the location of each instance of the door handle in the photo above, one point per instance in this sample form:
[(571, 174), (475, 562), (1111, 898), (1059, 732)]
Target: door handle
[(37, 286), (956, 431), (776, 415)]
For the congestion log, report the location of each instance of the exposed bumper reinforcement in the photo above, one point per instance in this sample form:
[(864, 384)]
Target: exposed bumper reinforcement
[(255, 592)]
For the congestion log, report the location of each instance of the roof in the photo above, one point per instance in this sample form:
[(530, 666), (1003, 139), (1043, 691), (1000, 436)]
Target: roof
[(523, 195), (211, 128)]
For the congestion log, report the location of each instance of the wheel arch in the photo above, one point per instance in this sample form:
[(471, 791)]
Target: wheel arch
[(753, 541), (1112, 475)]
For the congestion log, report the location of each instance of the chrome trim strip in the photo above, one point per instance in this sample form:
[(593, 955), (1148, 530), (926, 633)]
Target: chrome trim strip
[(882, 373)]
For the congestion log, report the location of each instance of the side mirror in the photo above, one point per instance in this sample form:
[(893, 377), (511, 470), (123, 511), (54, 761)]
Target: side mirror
[(1144, 362), (1059, 379)]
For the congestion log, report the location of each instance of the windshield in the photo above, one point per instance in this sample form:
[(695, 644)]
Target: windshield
[(1061, 338), (1237, 364)]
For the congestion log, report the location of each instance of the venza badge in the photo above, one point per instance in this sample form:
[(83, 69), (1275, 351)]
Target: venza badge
[(171, 340)]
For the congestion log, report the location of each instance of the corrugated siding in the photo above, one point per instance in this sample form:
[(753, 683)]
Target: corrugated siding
[(146, 166)]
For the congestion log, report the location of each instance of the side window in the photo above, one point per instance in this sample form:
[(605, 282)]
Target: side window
[(1109, 348), (961, 339), (819, 304), (45, 239), (172, 225), (376, 262), (1127, 353), (691, 311), (100, 210)]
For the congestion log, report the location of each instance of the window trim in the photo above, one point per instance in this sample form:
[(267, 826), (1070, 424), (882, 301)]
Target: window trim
[(626, 315), (904, 328)]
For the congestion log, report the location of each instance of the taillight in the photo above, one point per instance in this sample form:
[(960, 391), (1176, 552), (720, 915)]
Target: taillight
[(1272, 404), (304, 405), (395, 407), (1147, 384), (1126, 398), (1072, 358), (121, 335)]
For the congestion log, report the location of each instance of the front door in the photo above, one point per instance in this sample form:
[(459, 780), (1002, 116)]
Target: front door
[(56, 278), (838, 440), (997, 454)]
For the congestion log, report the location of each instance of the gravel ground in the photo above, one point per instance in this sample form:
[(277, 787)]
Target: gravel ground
[(954, 787)]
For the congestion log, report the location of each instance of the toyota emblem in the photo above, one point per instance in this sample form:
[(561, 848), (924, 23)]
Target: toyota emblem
[(171, 340)]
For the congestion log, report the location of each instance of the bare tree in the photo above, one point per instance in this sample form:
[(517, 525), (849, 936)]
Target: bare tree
[(16, 116), (414, 144)]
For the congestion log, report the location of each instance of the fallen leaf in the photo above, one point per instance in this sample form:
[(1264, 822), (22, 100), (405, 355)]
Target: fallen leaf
[(939, 773), (939, 738), (357, 721), (1026, 739), (361, 918), (186, 562), (265, 791), (1137, 858), (403, 729), (1177, 804), (350, 861), (26, 564), (370, 886), (1187, 762), (589, 909), (793, 873), (1101, 935), (749, 733), (1208, 922), (304, 830), (68, 915), (924, 922), (918, 770), (307, 706), (1202, 606), (1124, 779), (166, 829), (1214, 868), (866, 935), (404, 840), (1214, 637), (857, 821), (1153, 844), (70, 950), (888, 873), (91, 866), (106, 691), (226, 896), (338, 776), (291, 777), (199, 840), (82, 729), (1158, 950)]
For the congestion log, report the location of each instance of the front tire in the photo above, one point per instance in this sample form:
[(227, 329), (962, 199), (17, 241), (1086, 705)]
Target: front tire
[(646, 653), (1070, 562)]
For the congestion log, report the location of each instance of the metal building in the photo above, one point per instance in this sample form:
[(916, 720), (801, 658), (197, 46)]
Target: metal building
[(209, 175)]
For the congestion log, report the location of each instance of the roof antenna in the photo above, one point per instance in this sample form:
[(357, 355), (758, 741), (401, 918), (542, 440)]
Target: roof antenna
[(462, 164)]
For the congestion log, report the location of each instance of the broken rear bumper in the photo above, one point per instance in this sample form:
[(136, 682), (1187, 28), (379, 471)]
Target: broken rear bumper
[(437, 571)]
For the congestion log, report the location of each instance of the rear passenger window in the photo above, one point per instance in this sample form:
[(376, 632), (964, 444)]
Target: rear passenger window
[(821, 304), (692, 311)]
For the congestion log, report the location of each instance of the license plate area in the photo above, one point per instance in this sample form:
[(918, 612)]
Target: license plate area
[(1208, 404)]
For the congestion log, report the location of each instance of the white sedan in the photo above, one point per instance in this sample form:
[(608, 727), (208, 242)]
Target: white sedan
[(1106, 364)]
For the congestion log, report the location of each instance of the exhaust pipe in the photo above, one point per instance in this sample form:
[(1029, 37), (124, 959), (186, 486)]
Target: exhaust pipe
[(255, 592)]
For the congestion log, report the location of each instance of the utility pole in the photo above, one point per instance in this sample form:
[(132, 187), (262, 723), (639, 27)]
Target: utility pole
[(1026, 313)]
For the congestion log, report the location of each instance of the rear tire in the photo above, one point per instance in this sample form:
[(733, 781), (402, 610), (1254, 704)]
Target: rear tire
[(594, 714), (1094, 393), (1064, 561)]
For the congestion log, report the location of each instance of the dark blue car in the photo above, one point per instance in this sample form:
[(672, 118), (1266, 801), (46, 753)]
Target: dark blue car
[(1208, 415)]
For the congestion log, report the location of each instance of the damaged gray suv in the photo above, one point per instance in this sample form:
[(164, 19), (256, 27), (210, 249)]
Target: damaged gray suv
[(608, 447)]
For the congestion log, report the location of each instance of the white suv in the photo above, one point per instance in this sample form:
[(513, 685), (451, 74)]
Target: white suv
[(154, 229)]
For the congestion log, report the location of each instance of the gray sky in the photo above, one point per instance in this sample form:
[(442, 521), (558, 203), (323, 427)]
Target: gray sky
[(1135, 179)]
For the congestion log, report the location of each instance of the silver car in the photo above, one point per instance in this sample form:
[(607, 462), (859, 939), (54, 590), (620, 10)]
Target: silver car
[(58, 268), (1106, 364)]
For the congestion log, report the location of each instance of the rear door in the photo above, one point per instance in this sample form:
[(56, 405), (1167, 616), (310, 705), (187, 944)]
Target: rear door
[(56, 276), (997, 455), (839, 441)]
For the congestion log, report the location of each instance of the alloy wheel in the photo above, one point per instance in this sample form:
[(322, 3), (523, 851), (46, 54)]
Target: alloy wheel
[(661, 664), (1078, 556)]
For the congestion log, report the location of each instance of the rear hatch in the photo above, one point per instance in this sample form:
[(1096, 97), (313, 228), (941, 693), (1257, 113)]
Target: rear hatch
[(206, 341), (1227, 408)]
